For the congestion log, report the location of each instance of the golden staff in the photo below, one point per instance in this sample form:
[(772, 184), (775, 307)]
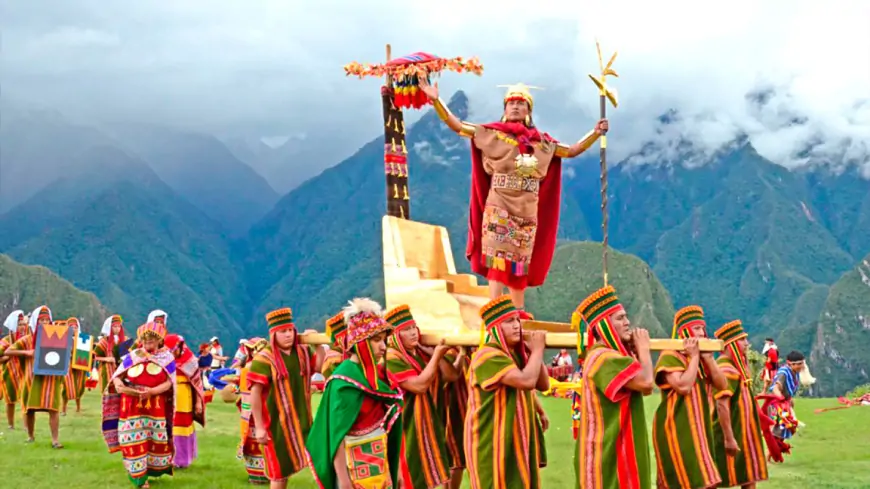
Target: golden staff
[(605, 93)]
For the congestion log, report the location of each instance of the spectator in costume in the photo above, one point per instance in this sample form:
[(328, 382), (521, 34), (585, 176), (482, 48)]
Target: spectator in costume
[(189, 402), (356, 439), (249, 450), (280, 383), (420, 373), (682, 428), (612, 443), (11, 369), (218, 360), (737, 432), (502, 409), (139, 407), (39, 392), (516, 188), (336, 329), (107, 351), (74, 383), (771, 364), (786, 384)]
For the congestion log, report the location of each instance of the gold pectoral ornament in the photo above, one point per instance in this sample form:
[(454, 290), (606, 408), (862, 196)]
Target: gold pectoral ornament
[(527, 165)]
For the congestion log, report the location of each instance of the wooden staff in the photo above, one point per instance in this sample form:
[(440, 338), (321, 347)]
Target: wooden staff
[(554, 340), (604, 94), (395, 152)]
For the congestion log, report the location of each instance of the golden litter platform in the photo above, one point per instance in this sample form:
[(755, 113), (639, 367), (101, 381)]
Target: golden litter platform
[(419, 270)]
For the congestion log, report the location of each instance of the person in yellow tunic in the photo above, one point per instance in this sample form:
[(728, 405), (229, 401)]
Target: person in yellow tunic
[(419, 372), (41, 392), (336, 329), (503, 446), (737, 434), (189, 402), (74, 383), (612, 443), (10, 368), (682, 426), (249, 450)]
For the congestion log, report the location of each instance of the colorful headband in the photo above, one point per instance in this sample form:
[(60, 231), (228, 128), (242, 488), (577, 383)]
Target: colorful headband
[(280, 319), (400, 317), (593, 314), (685, 319)]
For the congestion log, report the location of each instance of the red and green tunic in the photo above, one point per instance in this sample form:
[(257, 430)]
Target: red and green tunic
[(426, 457), (682, 430), (11, 373), (749, 465), (350, 408), (40, 392), (287, 408), (502, 446), (453, 410), (612, 449)]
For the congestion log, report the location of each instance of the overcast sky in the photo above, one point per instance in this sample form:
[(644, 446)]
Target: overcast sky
[(269, 68)]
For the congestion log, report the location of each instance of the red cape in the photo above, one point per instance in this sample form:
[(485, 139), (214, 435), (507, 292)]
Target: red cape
[(548, 209)]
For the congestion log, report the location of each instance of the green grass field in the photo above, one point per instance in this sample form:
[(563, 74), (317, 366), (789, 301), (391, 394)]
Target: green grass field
[(832, 451)]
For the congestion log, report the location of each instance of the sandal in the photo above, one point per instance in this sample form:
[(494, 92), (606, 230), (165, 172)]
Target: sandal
[(29, 440), (57, 445)]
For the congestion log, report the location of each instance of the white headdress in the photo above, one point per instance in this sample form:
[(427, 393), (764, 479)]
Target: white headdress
[(156, 313), (34, 317), (11, 322)]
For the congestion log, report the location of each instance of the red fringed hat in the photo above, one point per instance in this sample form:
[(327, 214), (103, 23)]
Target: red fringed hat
[(151, 330)]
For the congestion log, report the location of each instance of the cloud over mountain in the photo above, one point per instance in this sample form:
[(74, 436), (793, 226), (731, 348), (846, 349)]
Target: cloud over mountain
[(792, 76)]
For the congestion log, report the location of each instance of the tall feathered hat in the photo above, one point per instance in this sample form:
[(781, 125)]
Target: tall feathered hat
[(364, 318)]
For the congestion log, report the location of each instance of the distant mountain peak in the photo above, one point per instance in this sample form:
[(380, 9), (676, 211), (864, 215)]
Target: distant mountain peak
[(458, 104)]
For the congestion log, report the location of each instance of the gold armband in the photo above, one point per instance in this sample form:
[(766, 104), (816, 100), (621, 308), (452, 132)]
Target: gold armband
[(441, 109), (465, 129), (586, 142)]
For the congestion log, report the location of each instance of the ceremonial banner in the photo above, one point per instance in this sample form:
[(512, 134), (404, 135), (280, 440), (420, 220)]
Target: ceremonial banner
[(82, 357), (53, 350)]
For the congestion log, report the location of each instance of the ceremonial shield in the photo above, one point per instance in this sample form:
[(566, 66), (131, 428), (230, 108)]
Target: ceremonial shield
[(82, 358), (54, 345)]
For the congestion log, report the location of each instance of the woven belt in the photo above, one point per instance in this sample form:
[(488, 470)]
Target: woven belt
[(512, 181)]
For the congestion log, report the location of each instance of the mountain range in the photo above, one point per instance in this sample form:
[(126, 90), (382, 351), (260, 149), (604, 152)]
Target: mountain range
[(148, 217)]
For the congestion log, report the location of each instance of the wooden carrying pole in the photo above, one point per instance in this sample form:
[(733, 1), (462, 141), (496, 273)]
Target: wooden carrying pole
[(554, 340)]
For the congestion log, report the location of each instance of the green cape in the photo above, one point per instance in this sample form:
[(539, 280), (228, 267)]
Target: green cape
[(339, 408)]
